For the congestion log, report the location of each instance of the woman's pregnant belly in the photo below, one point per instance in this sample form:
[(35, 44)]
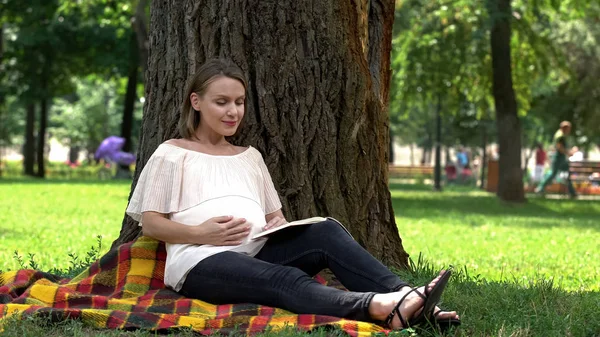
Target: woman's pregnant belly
[(233, 205)]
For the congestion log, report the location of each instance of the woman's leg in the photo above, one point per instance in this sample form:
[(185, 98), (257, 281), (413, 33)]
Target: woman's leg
[(548, 179), (315, 247), (230, 277)]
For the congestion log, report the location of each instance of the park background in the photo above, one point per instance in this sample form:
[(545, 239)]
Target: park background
[(75, 73)]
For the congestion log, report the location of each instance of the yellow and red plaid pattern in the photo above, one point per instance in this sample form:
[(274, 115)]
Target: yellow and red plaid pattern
[(125, 290)]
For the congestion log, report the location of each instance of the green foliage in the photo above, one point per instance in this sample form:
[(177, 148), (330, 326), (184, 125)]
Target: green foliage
[(45, 48), (440, 52), (85, 120), (441, 49), (11, 121), (51, 44), (574, 96)]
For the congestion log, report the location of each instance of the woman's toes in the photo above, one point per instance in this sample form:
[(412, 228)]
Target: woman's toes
[(447, 315)]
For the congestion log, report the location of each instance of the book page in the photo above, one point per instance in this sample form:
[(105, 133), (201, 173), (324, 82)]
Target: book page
[(307, 221)]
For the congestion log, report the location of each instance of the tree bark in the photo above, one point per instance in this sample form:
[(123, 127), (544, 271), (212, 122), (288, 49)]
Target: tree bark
[(124, 171), (29, 146), (74, 154), (510, 180), (131, 93), (140, 27), (484, 158), (41, 140), (437, 181), (319, 75)]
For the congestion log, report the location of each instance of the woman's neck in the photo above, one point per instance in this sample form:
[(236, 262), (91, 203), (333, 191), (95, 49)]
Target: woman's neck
[(206, 140)]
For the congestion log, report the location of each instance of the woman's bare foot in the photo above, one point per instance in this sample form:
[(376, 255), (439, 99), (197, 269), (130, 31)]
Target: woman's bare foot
[(383, 304)]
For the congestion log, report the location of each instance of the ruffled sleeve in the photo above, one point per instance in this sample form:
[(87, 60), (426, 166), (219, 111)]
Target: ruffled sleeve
[(271, 198), (159, 186)]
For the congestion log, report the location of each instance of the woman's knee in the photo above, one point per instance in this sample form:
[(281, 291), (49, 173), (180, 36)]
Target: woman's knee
[(328, 229)]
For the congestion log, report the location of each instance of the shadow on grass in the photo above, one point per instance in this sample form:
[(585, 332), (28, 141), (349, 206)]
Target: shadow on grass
[(420, 202)]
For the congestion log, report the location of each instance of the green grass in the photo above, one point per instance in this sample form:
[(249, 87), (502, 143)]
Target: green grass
[(542, 239), (51, 219), (526, 270)]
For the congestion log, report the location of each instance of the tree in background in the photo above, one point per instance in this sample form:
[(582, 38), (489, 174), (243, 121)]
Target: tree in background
[(443, 49), (573, 93), (82, 121), (510, 180), (51, 43)]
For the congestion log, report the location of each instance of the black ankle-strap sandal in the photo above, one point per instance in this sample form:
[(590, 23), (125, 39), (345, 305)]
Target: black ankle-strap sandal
[(444, 324), (396, 311), (431, 299)]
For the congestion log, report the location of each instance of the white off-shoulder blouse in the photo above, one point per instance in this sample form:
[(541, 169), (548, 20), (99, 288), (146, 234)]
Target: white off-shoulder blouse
[(192, 187)]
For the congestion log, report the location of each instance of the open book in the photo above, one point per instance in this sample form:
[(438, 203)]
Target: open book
[(307, 221)]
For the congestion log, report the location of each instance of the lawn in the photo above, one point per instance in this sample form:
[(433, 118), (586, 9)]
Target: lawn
[(55, 218), (545, 238), (527, 270)]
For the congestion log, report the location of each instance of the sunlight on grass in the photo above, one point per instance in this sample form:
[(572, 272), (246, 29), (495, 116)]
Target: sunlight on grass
[(557, 239), (526, 270), (52, 219)]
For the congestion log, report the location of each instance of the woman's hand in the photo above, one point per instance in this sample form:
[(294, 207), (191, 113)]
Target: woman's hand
[(222, 231), (275, 221)]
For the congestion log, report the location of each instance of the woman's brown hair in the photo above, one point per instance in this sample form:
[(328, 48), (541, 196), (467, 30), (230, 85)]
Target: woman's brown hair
[(206, 74)]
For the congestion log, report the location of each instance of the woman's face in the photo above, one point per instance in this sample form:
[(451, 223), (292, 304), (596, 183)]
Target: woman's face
[(221, 107)]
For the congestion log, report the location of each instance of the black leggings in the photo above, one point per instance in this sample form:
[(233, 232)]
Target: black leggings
[(281, 274)]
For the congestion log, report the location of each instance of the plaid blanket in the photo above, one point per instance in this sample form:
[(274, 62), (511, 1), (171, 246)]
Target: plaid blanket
[(125, 290)]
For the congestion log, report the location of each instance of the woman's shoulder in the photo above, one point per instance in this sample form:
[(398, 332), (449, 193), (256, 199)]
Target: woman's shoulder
[(174, 147), (242, 149), (170, 149), (179, 142)]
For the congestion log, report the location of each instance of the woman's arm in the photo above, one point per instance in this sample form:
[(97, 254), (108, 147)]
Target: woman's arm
[(218, 231), (274, 219)]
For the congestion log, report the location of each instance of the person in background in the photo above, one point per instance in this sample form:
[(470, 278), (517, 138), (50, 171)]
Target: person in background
[(540, 163), (559, 159)]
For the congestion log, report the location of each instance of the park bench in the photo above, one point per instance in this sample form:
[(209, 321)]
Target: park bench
[(399, 171), (585, 176), (584, 170)]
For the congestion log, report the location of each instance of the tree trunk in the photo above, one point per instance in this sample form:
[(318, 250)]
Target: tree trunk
[(437, 181), (130, 94), (140, 27), (29, 146), (316, 101), (41, 140), (484, 159), (510, 180), (74, 154), (124, 171)]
